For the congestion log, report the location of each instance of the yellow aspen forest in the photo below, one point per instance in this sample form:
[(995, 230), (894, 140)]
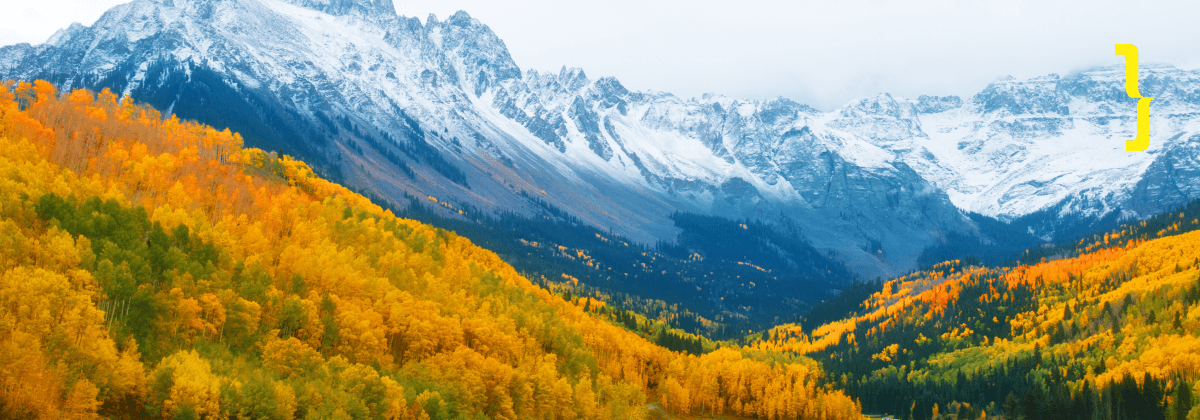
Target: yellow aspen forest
[(154, 268), (1104, 328)]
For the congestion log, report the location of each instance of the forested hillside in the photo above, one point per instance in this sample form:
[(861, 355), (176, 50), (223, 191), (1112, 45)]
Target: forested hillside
[(152, 267), (1106, 328), (720, 279)]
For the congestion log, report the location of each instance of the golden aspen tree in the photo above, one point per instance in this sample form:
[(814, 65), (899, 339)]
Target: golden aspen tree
[(194, 387), (585, 398), (81, 403)]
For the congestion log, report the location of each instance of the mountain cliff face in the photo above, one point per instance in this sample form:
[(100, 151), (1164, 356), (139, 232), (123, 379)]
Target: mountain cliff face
[(399, 109), (1022, 146)]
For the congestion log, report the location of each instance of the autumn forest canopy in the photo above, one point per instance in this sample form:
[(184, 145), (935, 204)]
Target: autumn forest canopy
[(156, 268), (153, 267)]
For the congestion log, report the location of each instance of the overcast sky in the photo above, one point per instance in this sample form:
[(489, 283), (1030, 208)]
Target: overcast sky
[(823, 53)]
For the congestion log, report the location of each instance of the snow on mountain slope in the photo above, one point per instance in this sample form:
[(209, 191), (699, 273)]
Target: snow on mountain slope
[(1021, 146), (738, 159), (399, 109), (1018, 147)]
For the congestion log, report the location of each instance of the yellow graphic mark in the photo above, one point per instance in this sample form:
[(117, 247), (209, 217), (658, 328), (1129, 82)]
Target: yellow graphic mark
[(1131, 88)]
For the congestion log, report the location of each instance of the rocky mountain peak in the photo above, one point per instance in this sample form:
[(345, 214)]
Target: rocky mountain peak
[(345, 7), (480, 55), (62, 35), (880, 119), (572, 78), (927, 104), (1039, 95), (879, 105)]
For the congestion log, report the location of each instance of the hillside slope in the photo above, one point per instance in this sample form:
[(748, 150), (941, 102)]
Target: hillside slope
[(1105, 328), (392, 108), (152, 267)]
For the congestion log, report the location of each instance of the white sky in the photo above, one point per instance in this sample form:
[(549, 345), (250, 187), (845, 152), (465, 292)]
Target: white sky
[(823, 52)]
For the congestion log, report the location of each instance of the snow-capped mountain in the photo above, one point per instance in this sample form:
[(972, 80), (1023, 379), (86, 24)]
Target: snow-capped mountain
[(398, 108), (1021, 146)]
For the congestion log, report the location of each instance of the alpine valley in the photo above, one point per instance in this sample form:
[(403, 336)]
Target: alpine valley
[(319, 209), (744, 212)]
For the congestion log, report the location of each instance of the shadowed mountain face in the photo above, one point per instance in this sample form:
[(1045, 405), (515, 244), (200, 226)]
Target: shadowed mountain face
[(399, 109)]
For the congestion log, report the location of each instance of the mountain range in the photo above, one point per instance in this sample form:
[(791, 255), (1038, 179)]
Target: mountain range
[(439, 113)]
